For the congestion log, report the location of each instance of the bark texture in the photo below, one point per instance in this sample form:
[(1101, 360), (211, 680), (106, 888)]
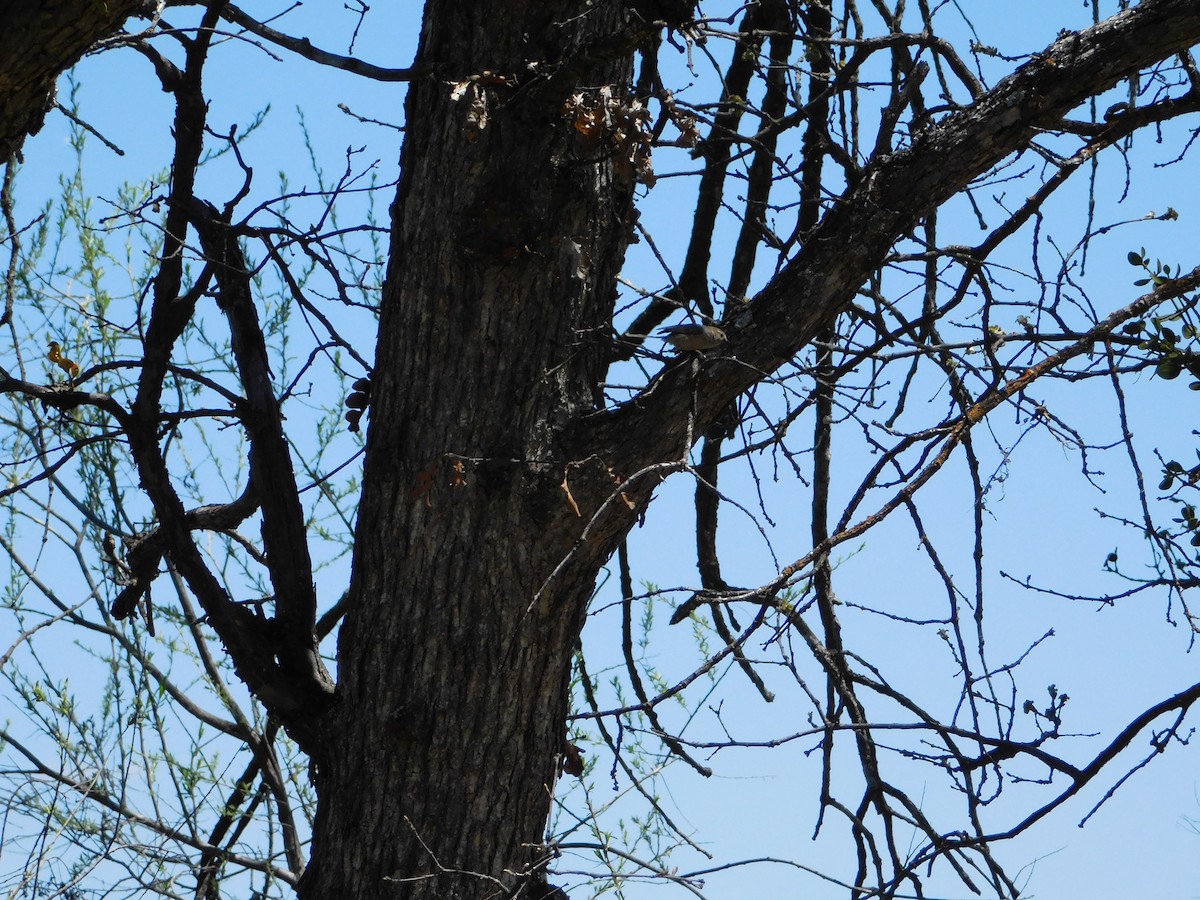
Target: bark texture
[(38, 41), (508, 233)]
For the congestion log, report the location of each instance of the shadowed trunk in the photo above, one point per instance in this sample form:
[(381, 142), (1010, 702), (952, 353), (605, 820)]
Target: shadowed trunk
[(450, 723), (38, 41)]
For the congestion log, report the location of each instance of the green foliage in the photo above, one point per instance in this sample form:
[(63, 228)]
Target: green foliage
[(159, 751), (1169, 339)]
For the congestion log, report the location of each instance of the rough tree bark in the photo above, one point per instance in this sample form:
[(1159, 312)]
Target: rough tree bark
[(38, 41), (508, 235)]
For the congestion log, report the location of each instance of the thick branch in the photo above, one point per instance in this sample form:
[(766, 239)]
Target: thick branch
[(896, 190), (250, 640), (271, 471)]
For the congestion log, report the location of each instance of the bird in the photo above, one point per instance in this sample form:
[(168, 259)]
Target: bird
[(55, 356), (693, 337)]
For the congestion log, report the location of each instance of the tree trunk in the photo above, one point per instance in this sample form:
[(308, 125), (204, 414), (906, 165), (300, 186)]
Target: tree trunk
[(454, 661), (38, 41)]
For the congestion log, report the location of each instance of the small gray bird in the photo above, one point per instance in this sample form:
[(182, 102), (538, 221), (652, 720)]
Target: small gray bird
[(693, 337)]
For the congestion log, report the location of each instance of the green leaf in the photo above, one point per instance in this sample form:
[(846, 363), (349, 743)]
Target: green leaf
[(1169, 368)]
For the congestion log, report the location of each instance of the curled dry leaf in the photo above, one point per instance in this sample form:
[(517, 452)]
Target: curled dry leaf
[(572, 761), (567, 490)]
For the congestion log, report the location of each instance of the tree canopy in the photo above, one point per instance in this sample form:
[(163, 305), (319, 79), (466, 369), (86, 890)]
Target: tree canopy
[(369, 537)]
